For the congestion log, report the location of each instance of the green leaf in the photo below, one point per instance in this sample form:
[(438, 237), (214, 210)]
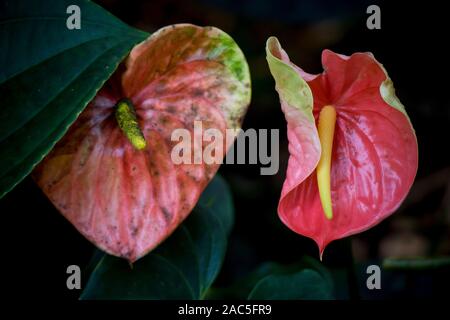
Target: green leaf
[(182, 267), (218, 198), (48, 74), (306, 284), (307, 279)]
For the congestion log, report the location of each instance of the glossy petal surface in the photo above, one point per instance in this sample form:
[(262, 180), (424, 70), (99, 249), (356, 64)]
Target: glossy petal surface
[(297, 104), (375, 153), (127, 201)]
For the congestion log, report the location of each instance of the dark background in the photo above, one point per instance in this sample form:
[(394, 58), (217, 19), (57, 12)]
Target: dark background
[(39, 244)]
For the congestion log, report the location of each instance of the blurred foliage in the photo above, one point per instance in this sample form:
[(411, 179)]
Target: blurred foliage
[(412, 46)]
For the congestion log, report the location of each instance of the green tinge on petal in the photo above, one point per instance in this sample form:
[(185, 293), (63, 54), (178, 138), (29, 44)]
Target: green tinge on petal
[(292, 88), (387, 92), (224, 49), (215, 54)]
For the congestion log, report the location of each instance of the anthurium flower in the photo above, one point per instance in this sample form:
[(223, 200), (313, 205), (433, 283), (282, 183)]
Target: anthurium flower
[(112, 175), (353, 150)]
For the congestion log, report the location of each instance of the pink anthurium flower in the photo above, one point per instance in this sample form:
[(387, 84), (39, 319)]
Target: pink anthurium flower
[(353, 150), (112, 175)]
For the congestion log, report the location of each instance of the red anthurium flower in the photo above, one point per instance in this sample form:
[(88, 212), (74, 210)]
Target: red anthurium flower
[(112, 175), (353, 150)]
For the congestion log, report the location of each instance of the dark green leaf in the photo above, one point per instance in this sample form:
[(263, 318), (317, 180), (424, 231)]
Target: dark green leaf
[(218, 198), (183, 267), (270, 275), (48, 74), (306, 284)]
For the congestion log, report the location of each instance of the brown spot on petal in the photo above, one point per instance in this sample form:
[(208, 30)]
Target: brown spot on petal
[(167, 214), (179, 75), (171, 109), (134, 231), (197, 93)]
